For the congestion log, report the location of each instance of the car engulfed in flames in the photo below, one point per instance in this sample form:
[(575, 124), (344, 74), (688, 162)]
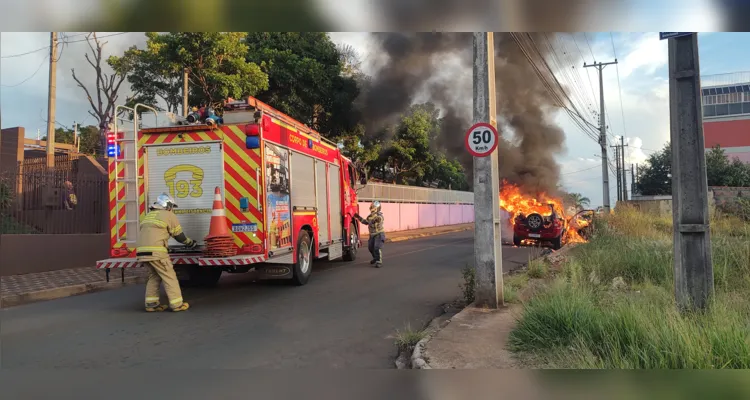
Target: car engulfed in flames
[(542, 219)]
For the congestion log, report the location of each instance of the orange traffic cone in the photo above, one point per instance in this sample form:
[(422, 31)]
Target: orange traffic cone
[(219, 241)]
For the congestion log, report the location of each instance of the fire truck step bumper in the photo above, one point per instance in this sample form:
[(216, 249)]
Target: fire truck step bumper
[(117, 263), (229, 261)]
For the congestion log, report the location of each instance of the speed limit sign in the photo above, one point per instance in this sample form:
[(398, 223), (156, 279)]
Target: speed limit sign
[(481, 139)]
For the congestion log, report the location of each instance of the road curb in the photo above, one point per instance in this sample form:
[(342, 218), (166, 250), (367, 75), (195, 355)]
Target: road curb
[(67, 291), (423, 235)]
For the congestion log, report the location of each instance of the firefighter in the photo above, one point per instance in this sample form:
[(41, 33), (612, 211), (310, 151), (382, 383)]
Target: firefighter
[(374, 223), (156, 228)]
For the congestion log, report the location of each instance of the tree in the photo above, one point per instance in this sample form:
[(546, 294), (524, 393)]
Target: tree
[(579, 201), (362, 154), (154, 77), (307, 79), (215, 61), (656, 177), (409, 153), (445, 174), (107, 85), (88, 136)]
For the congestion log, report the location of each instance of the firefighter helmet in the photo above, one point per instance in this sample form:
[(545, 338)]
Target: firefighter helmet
[(164, 202), (375, 206)]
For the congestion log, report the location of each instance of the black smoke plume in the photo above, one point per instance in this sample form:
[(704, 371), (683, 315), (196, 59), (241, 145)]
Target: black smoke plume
[(415, 69)]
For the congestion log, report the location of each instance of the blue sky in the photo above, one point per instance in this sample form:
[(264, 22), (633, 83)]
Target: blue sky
[(642, 85)]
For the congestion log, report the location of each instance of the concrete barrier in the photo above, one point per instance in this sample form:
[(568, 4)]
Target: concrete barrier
[(407, 216)]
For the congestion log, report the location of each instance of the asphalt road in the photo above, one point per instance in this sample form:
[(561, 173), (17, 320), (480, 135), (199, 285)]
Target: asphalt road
[(343, 318)]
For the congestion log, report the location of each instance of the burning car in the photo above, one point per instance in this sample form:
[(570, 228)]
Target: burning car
[(540, 228), (541, 219)]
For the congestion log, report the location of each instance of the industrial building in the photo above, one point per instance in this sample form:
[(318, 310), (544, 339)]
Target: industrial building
[(726, 113)]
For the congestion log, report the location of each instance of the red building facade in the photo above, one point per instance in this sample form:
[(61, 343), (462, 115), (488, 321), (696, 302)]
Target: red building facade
[(726, 118)]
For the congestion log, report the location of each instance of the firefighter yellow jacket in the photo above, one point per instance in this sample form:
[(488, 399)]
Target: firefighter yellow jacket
[(155, 230)]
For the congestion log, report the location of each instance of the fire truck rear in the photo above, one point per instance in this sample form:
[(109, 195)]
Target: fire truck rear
[(288, 194)]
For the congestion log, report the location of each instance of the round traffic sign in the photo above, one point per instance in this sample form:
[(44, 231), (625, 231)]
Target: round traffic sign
[(481, 139)]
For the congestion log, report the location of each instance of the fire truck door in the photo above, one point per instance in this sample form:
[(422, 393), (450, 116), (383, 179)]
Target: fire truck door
[(189, 172)]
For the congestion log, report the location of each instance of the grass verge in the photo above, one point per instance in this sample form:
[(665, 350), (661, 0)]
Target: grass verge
[(407, 338), (611, 304)]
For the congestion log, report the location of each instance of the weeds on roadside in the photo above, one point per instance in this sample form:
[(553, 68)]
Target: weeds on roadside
[(468, 287), (408, 338), (583, 321)]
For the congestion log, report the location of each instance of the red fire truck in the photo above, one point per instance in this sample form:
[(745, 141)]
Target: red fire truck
[(289, 195)]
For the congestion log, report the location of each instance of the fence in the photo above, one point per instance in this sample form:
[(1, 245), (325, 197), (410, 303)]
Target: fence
[(411, 194), (66, 165), (39, 203)]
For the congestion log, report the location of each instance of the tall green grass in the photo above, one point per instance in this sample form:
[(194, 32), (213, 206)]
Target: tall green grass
[(582, 321)]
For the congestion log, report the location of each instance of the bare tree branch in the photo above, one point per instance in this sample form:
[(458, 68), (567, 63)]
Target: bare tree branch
[(106, 85)]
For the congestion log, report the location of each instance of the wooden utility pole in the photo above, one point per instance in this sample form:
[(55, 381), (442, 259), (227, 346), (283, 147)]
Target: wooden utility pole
[(632, 181), (185, 109), (488, 258), (603, 134), (51, 95), (693, 271)]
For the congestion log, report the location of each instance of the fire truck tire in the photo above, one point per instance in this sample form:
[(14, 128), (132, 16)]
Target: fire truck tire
[(303, 267), (351, 253)]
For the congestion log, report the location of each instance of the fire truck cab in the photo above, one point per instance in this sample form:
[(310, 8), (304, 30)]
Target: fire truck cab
[(289, 195)]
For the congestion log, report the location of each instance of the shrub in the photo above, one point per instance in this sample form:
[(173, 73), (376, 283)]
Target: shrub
[(468, 287)]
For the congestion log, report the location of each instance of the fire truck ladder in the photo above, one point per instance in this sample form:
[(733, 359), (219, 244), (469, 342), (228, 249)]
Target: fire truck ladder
[(130, 179)]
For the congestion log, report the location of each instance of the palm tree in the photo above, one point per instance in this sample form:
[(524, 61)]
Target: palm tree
[(579, 200)]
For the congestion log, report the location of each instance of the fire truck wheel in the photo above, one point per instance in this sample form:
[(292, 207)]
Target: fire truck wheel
[(351, 253), (303, 266)]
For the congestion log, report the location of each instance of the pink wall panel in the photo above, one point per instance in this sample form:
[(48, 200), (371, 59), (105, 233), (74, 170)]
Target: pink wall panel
[(443, 216), (426, 215), (467, 213), (364, 209), (455, 214), (409, 216), (391, 213), (406, 216)]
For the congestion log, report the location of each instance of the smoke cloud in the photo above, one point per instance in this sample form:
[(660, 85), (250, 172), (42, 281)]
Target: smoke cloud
[(418, 67)]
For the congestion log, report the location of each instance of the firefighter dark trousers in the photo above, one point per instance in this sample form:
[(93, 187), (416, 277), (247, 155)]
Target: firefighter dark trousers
[(162, 271), (375, 245)]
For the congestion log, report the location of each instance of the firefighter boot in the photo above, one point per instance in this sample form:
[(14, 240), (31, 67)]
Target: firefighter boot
[(158, 308), (184, 306)]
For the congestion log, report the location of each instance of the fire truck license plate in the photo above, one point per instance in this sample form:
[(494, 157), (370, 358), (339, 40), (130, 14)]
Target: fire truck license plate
[(244, 227), (534, 235)]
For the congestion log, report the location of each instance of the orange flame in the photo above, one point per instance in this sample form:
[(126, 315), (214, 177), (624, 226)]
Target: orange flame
[(516, 203)]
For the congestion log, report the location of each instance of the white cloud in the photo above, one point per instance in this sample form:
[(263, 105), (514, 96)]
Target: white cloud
[(649, 53)]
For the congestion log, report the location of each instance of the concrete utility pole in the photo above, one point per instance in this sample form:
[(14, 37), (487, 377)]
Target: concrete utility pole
[(693, 271), (618, 172), (185, 106), (51, 95), (602, 133), (488, 252), (624, 173)]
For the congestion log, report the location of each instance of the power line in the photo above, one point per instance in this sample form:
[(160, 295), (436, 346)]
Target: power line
[(32, 75), (619, 86), (582, 170), (67, 42)]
